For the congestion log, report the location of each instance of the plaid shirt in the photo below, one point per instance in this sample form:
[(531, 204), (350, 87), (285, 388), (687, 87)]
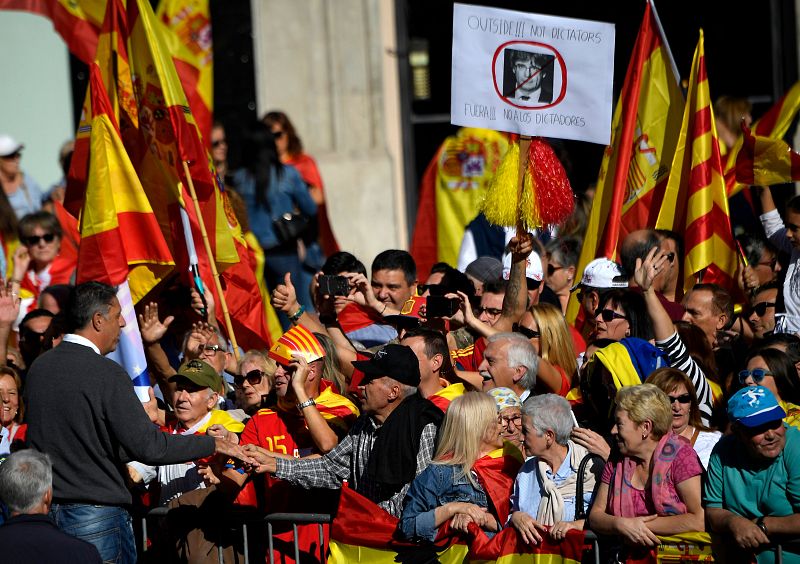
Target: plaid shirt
[(348, 461)]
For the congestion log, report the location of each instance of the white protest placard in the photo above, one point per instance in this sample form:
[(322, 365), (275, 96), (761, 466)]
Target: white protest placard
[(532, 74)]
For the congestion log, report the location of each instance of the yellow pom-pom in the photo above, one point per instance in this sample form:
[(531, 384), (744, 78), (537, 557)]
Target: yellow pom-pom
[(500, 203), (530, 211)]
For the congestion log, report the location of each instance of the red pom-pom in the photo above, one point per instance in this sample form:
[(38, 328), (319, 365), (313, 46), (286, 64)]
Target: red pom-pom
[(553, 196)]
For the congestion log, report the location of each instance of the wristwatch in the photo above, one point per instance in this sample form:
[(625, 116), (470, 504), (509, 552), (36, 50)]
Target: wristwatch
[(761, 525), (308, 403)]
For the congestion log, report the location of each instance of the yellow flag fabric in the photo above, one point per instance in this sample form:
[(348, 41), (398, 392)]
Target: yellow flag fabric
[(695, 202)]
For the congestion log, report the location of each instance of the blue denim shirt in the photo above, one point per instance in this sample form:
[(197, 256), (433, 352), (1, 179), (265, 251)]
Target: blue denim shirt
[(436, 485), (284, 195)]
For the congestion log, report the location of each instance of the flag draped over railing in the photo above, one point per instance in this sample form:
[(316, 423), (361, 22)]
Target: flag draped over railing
[(695, 202), (633, 174)]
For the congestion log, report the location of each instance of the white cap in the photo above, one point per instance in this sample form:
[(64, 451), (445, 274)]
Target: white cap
[(9, 145), (602, 273), (533, 268)]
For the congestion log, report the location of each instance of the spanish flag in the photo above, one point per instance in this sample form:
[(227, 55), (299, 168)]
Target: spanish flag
[(296, 341), (635, 166), (188, 36), (451, 189), (765, 161), (696, 201)]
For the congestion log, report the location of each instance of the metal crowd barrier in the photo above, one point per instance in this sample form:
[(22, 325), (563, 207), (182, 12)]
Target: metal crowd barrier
[(321, 519)]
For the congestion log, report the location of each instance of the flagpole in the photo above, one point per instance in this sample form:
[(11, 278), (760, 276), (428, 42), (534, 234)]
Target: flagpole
[(524, 149), (207, 244)]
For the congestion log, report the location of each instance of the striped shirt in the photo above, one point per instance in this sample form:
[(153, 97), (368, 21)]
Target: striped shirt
[(348, 461), (679, 358)]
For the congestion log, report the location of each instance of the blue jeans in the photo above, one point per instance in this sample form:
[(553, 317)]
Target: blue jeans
[(107, 528)]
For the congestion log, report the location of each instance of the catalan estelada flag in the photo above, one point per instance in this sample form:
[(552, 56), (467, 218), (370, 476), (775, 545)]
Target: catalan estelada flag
[(635, 166), (453, 185), (773, 125), (188, 37), (696, 202), (765, 161), (297, 340), (78, 23)]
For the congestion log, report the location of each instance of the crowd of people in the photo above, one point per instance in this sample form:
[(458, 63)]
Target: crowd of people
[(657, 413)]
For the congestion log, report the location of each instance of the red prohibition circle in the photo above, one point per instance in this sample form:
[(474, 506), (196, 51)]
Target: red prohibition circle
[(560, 60)]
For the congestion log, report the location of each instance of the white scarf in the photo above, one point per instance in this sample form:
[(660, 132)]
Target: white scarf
[(551, 508)]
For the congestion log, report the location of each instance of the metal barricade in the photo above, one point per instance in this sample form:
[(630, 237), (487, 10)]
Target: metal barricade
[(296, 519)]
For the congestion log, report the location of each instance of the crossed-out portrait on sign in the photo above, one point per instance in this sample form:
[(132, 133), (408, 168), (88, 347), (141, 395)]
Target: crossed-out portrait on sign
[(528, 77)]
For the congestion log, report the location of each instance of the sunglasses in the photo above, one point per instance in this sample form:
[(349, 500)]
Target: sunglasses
[(532, 284), (757, 374), (32, 240), (253, 378), (12, 156), (219, 142), (683, 398), (278, 134), (490, 311), (761, 308), (529, 333), (213, 349), (553, 269), (609, 315)]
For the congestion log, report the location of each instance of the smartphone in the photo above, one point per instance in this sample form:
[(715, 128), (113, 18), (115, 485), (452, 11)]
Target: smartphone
[(439, 306), (333, 285)]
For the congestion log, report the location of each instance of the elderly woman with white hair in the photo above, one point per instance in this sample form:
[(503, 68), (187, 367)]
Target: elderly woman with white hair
[(509, 414), (545, 490)]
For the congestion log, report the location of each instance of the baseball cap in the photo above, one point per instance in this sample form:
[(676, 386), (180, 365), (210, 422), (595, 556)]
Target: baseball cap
[(533, 267), (411, 314), (602, 273), (485, 269), (753, 406), (395, 361), (9, 145), (200, 373), (296, 341)]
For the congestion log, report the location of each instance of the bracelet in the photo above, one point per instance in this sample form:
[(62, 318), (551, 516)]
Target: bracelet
[(308, 403), (761, 525), (296, 315)]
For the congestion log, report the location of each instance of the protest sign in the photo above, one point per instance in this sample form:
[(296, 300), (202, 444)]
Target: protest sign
[(532, 74)]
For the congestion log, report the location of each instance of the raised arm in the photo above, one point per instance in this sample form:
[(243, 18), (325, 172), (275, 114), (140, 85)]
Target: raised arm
[(515, 300)]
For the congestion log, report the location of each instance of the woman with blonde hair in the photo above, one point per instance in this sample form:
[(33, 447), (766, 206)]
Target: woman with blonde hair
[(547, 331), (653, 486), (454, 486)]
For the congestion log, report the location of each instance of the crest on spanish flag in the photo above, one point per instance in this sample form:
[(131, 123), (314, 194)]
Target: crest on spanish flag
[(297, 340)]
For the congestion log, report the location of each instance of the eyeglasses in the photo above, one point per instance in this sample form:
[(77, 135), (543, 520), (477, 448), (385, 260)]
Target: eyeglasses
[(529, 333), (553, 269), (490, 311), (219, 142), (213, 349), (683, 398), (253, 378), (757, 374), (761, 308), (278, 134), (506, 421), (610, 315), (32, 240), (12, 156), (770, 263)]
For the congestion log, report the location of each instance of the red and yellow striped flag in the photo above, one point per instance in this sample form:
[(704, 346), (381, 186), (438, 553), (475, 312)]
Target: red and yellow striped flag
[(188, 37), (773, 125), (118, 228), (765, 161), (635, 165), (696, 201)]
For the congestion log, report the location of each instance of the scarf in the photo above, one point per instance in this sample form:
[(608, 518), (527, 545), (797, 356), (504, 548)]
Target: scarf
[(551, 508), (496, 472), (665, 497), (393, 459)]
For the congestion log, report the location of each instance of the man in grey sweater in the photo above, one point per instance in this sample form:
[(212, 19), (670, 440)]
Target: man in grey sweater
[(84, 414)]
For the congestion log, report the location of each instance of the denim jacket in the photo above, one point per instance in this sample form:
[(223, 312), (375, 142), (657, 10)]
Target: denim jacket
[(436, 485)]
